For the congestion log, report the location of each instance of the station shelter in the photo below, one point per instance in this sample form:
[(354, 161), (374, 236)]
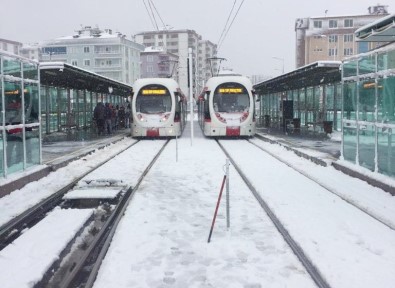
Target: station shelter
[(42, 98), (19, 105), (369, 100), (69, 95), (306, 100)]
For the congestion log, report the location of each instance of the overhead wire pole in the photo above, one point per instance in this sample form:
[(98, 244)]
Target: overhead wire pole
[(190, 90)]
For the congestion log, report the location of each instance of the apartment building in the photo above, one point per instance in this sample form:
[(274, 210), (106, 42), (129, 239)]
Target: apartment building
[(156, 62), (178, 42), (332, 38), (10, 46), (101, 51)]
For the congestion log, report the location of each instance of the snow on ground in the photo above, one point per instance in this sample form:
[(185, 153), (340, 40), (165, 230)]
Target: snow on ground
[(162, 239), (24, 262), (349, 247)]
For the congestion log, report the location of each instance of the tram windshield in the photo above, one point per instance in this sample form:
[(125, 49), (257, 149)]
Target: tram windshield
[(153, 100), (231, 97)]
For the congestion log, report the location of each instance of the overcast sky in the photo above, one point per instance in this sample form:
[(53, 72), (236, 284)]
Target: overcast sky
[(262, 29)]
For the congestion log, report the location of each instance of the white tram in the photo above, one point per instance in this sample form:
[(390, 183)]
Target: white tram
[(226, 107), (158, 108)]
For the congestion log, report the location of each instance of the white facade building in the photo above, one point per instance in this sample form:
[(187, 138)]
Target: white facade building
[(10, 46), (178, 42), (103, 52)]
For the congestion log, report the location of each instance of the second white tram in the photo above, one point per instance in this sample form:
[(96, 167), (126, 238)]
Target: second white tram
[(158, 108), (226, 107)]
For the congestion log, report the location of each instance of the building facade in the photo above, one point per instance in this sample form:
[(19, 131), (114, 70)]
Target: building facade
[(158, 63), (332, 37), (178, 42), (101, 51), (10, 46)]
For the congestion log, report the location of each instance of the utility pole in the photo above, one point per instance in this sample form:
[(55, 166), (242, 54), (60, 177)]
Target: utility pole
[(190, 91)]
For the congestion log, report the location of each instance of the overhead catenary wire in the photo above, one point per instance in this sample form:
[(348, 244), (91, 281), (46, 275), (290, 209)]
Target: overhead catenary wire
[(157, 12), (149, 14), (227, 21), (153, 15), (226, 33)]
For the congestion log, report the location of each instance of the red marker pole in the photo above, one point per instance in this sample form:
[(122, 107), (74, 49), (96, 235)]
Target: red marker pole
[(216, 209)]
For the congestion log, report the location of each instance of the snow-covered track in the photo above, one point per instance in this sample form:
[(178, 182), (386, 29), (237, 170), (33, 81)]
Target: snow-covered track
[(309, 266), (327, 187), (12, 229), (84, 272)]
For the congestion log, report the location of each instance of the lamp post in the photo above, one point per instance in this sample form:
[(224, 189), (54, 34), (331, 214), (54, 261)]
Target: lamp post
[(281, 59)]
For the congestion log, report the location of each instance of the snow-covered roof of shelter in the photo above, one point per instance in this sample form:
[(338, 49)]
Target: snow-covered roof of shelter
[(381, 30)]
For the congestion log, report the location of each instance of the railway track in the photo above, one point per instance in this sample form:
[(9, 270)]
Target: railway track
[(296, 248), (82, 264), (12, 229), (327, 187)]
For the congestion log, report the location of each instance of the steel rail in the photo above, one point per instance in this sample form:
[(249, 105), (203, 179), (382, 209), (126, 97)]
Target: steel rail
[(326, 187), (10, 230), (96, 252), (310, 267)]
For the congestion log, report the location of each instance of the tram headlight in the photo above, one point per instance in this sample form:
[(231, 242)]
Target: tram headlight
[(140, 117), (165, 117), (244, 116), (220, 118)]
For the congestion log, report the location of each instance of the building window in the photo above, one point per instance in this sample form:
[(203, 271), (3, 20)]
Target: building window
[(332, 38), (86, 49), (348, 38), (87, 62), (174, 36), (74, 62), (5, 46), (150, 68), (147, 37), (348, 51), (332, 52), (348, 23), (108, 62), (332, 24), (317, 24), (150, 58)]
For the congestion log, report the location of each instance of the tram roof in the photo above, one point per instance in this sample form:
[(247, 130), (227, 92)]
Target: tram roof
[(60, 74), (317, 73)]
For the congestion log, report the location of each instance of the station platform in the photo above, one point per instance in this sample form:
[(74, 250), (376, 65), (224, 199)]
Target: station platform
[(61, 148)]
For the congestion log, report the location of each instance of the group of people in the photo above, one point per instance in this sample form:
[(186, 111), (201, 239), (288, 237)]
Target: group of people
[(109, 117)]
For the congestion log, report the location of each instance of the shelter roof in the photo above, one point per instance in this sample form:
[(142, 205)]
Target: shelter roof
[(64, 75), (381, 30), (314, 74)]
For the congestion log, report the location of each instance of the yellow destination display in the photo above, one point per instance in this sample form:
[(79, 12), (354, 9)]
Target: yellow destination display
[(230, 90), (153, 92)]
